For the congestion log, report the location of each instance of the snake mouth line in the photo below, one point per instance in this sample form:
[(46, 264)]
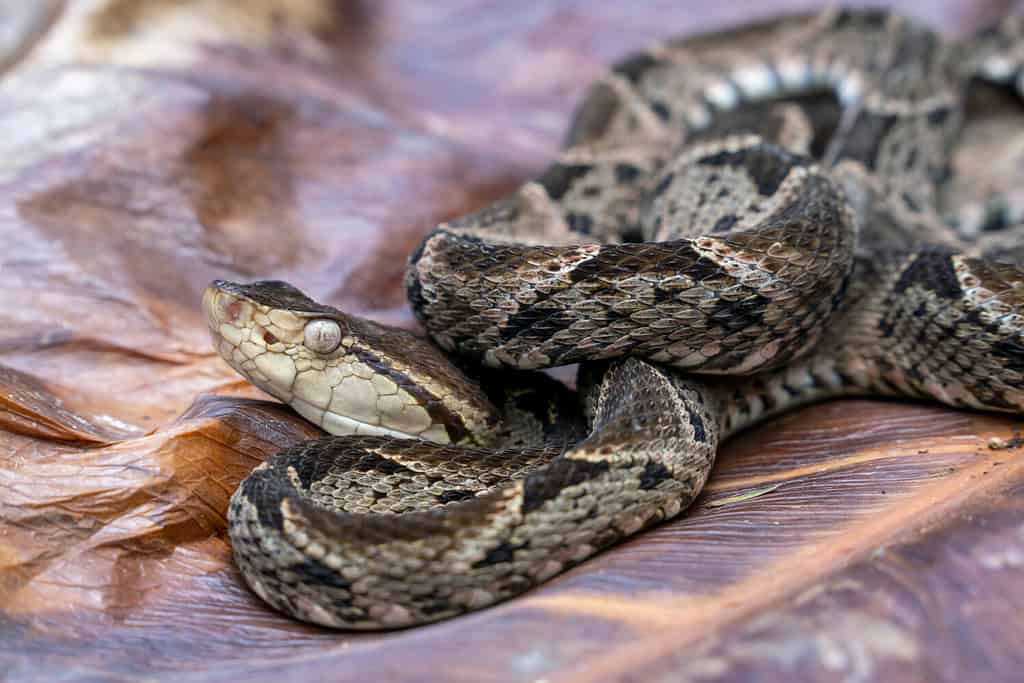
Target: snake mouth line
[(342, 425), (331, 422)]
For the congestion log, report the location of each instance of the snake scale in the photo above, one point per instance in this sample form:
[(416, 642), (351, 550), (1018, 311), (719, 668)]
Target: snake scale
[(739, 223)]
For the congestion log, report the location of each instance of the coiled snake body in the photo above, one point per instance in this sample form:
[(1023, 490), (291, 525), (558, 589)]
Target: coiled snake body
[(740, 223)]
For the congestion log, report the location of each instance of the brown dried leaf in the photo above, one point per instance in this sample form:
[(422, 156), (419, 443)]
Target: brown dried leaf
[(153, 145)]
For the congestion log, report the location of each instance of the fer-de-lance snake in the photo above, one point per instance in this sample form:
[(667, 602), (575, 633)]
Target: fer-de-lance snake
[(739, 223)]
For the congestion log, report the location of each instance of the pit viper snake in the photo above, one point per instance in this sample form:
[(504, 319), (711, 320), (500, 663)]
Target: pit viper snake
[(739, 223)]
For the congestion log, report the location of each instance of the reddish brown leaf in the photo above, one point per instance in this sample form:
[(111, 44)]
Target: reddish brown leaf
[(151, 146)]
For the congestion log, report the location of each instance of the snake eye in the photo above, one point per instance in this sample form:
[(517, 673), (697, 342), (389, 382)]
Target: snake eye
[(321, 335)]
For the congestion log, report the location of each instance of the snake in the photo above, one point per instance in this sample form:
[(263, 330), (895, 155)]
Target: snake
[(739, 222)]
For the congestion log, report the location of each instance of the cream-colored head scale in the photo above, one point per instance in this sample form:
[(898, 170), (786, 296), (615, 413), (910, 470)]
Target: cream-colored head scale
[(346, 374)]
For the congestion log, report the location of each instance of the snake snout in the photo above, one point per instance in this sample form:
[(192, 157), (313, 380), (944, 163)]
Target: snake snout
[(210, 295), (221, 306)]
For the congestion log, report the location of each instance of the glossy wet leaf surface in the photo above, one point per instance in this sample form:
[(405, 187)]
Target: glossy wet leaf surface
[(149, 147)]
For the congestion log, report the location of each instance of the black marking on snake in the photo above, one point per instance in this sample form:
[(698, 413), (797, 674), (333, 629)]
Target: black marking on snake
[(940, 175), (626, 173), (454, 495), (264, 489), (913, 373), (698, 427), (993, 30), (311, 460), (438, 412), (371, 462), (861, 18), (661, 110), (536, 322), (436, 607), (911, 161), (677, 257), (693, 264), (884, 385), (994, 221), (759, 118), (938, 116), (864, 138), (725, 223), (792, 392), (887, 324), (554, 407), (910, 202), (500, 554), (840, 294), (559, 178), (922, 309), (822, 111), (413, 287), (580, 222), (548, 482), (663, 296), (634, 67), (320, 573), (994, 398), (734, 316), (1012, 351), (766, 164), (654, 473), (932, 270), (663, 184), (846, 379)]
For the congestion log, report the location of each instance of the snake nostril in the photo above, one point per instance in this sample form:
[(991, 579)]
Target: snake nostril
[(269, 338)]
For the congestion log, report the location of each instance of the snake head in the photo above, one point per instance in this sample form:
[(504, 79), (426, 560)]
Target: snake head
[(346, 374)]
